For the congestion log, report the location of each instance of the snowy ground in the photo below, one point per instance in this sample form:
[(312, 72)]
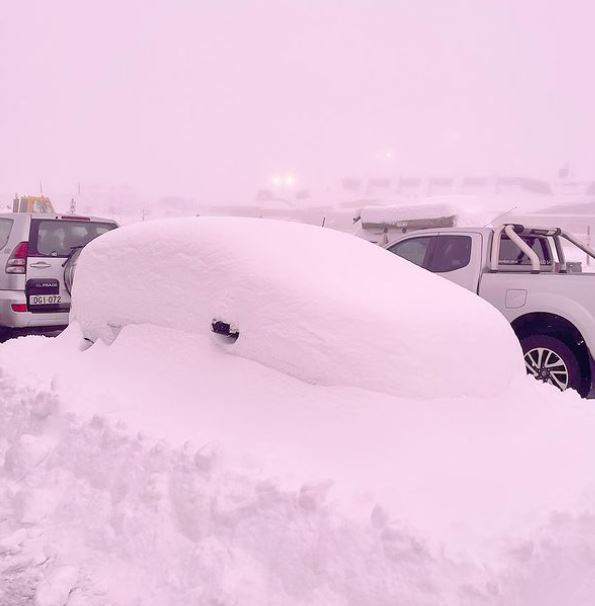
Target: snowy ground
[(158, 495), (165, 468)]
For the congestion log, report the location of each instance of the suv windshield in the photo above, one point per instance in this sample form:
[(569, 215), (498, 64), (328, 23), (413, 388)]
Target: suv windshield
[(55, 238)]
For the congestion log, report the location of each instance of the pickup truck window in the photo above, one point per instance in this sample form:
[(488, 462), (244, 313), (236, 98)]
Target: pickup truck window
[(437, 253), (511, 255), (414, 250), (450, 253)]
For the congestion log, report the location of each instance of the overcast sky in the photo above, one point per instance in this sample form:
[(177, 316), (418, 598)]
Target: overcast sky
[(211, 99)]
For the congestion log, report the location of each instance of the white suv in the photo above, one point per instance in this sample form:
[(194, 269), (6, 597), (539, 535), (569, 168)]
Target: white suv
[(35, 250)]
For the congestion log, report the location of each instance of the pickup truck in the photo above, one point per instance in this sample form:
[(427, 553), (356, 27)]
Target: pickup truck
[(523, 272)]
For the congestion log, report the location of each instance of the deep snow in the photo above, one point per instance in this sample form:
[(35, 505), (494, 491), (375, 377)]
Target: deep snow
[(121, 484), (159, 467)]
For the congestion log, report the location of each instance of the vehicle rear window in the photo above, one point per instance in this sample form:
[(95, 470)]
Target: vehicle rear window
[(51, 238), (510, 254), (5, 227)]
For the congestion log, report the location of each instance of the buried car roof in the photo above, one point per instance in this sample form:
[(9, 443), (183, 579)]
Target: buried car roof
[(315, 303)]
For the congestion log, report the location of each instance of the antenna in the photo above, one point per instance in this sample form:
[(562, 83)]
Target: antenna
[(40, 187), (500, 216)]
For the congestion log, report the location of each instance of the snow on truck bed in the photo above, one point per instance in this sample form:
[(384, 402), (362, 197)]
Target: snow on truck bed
[(314, 303), (157, 467)]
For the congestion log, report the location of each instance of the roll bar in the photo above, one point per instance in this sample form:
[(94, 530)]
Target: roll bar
[(578, 244), (511, 231)]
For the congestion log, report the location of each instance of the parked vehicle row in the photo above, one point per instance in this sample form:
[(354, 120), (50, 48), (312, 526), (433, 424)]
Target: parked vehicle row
[(521, 270)]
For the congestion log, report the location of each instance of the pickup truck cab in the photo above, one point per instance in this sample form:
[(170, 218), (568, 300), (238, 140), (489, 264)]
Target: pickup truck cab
[(523, 272)]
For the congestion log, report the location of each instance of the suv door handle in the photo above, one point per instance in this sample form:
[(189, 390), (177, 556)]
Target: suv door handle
[(40, 265)]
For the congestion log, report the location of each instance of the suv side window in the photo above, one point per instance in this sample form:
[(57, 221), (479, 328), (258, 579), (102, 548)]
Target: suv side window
[(511, 255), (450, 253), (413, 249), (5, 227)]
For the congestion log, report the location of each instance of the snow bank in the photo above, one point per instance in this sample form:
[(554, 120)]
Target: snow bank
[(93, 512), (92, 515), (314, 303)]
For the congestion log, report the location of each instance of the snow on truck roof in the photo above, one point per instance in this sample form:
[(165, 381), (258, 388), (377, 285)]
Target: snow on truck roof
[(314, 303)]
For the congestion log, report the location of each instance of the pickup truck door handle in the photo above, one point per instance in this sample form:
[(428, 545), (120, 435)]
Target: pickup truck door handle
[(40, 265)]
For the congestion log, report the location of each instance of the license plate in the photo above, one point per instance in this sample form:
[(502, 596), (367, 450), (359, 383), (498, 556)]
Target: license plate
[(44, 299)]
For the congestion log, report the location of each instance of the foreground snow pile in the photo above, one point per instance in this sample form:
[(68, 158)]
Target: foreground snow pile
[(94, 513), (317, 304)]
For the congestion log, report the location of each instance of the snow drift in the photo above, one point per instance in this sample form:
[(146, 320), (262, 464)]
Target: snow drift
[(318, 304), (462, 501), (91, 515)]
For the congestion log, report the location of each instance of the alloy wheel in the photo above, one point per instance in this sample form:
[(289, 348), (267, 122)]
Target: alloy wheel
[(547, 366)]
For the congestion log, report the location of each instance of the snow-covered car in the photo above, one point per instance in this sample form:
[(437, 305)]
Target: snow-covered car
[(311, 302)]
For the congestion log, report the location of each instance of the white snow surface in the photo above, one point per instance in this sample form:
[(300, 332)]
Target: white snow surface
[(161, 470), (318, 304), (156, 467)]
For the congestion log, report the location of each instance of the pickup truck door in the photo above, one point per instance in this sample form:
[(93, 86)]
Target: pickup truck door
[(455, 256)]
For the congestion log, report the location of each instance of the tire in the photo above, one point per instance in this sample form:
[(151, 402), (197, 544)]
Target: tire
[(550, 360)]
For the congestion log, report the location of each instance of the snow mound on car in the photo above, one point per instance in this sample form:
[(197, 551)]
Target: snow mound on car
[(317, 304)]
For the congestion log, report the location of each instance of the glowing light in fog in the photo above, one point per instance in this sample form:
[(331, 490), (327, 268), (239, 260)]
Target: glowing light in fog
[(285, 181)]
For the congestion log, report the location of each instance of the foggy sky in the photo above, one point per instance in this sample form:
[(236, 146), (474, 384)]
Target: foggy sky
[(212, 99)]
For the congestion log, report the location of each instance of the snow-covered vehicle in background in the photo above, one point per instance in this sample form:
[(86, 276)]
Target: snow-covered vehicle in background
[(382, 224), (523, 272)]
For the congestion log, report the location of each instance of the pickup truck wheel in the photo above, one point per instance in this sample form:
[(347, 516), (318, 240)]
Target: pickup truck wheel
[(550, 360)]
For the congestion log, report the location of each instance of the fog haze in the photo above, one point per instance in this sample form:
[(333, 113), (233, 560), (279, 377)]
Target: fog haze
[(211, 100)]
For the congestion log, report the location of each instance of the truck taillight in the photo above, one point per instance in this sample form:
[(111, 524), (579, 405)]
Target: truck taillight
[(17, 262)]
